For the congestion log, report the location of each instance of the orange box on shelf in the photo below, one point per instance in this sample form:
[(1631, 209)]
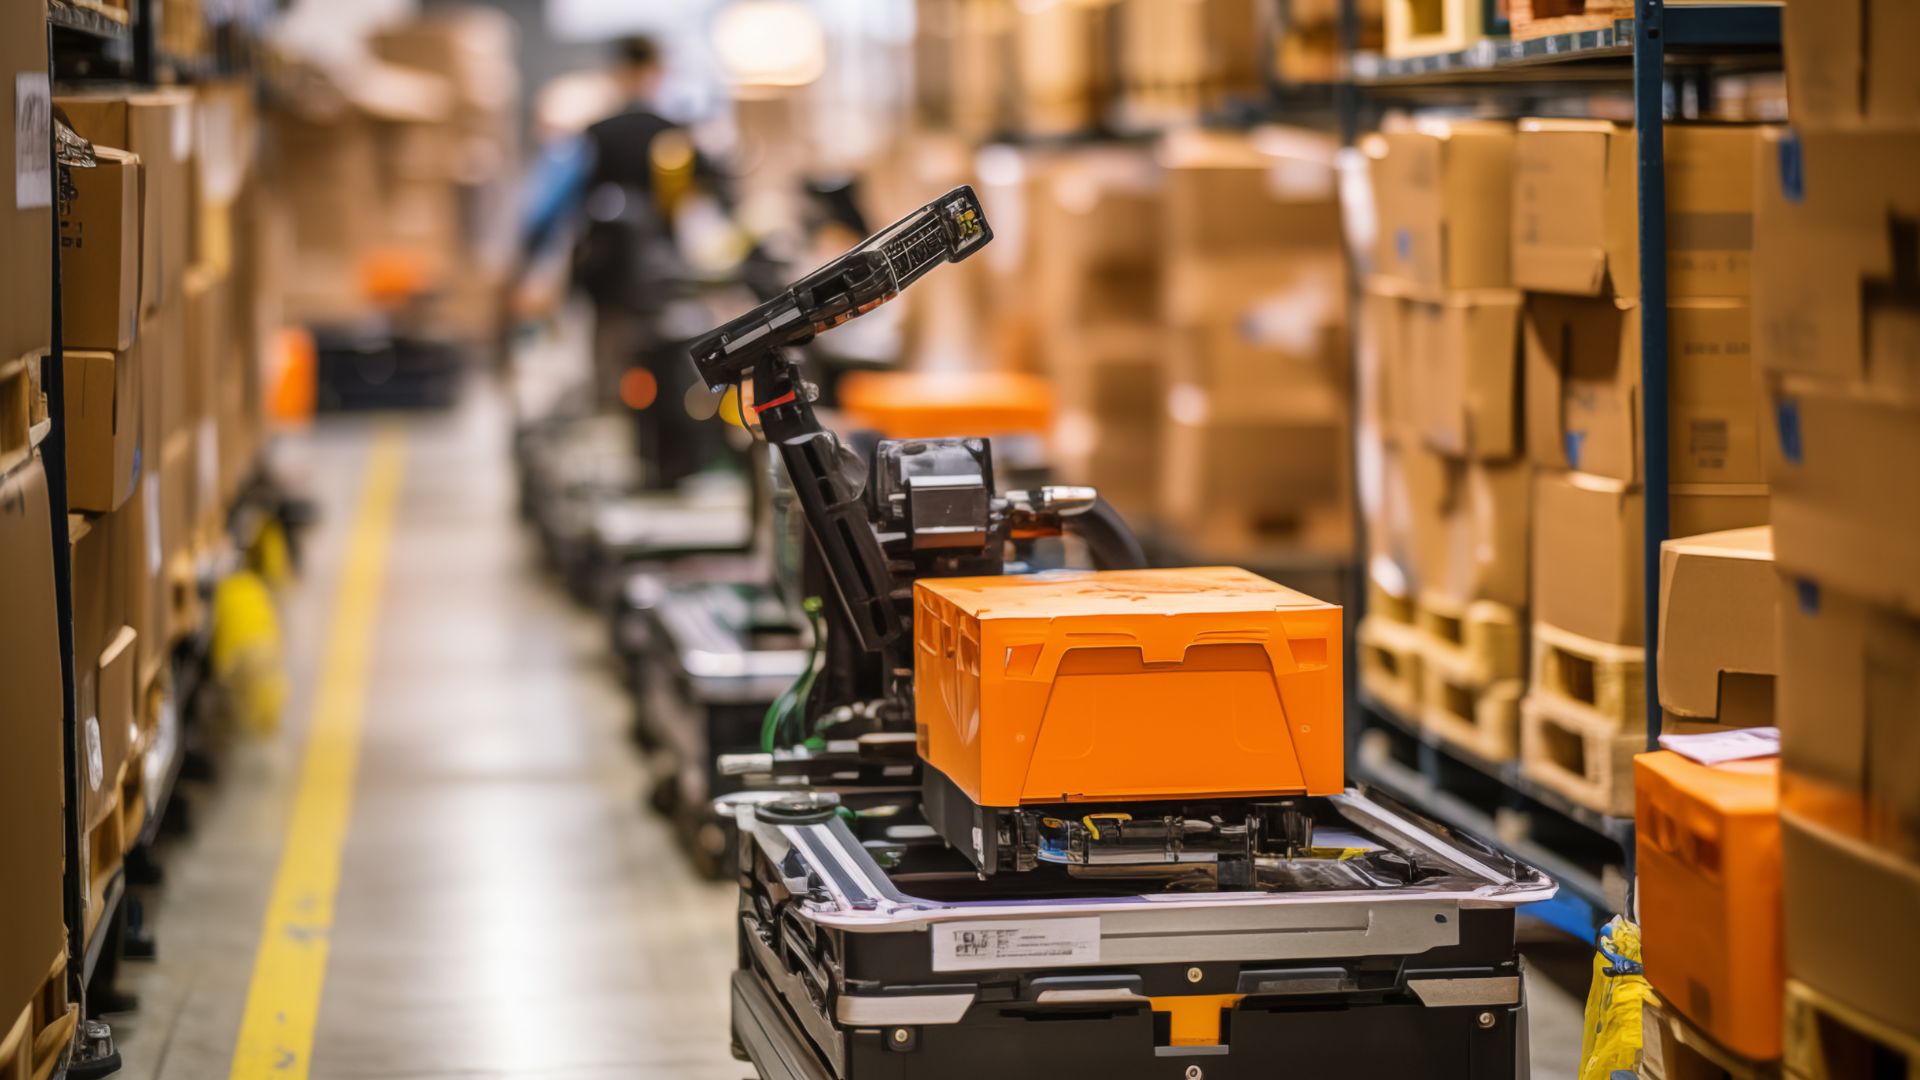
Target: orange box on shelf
[(1146, 684), (1710, 880)]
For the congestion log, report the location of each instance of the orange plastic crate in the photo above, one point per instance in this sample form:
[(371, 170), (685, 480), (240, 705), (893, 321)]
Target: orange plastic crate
[(1710, 922), (933, 405), (1130, 685)]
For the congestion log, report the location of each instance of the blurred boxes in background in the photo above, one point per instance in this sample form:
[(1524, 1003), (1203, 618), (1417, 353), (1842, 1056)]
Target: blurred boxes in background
[(1307, 47), (1846, 65), (1062, 71), (1183, 61), (1254, 322)]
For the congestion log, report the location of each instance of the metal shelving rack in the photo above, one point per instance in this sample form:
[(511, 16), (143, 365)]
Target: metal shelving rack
[(86, 42), (1649, 56)]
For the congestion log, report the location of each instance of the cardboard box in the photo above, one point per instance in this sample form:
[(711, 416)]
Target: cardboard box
[(1288, 346), (1084, 270), (1833, 256), (1465, 382), (1839, 74), (137, 551), (1385, 360), (1470, 521), (105, 656), (1582, 385), (1849, 921), (1582, 389), (1588, 562), (179, 502), (100, 231), (32, 928), (1718, 653), (1846, 499), (1695, 509), (1849, 690), (26, 203), (1443, 196), (1576, 207), (1575, 202), (1386, 502), (207, 339), (103, 429), (1252, 193), (1716, 419), (158, 126), (1234, 478)]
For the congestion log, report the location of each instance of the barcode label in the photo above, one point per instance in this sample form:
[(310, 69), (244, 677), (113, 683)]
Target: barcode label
[(975, 946), (1708, 442), (32, 141)]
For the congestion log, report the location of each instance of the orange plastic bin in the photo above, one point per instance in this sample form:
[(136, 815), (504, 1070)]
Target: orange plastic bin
[(1128, 685), (1710, 922)]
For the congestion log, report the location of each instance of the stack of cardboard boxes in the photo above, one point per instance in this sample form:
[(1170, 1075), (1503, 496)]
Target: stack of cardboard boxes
[(1838, 334), (1256, 444), (1181, 61), (32, 930), (163, 320), (1095, 272), (1576, 254), (1444, 641)]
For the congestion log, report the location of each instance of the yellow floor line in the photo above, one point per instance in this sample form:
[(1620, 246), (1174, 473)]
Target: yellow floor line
[(290, 968)]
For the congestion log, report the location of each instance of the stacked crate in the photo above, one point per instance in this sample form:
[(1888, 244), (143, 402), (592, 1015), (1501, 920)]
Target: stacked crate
[(34, 1018), (1256, 427), (1576, 253), (1444, 399), (1839, 339)]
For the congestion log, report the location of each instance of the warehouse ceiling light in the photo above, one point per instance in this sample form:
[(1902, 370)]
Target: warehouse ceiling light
[(770, 43)]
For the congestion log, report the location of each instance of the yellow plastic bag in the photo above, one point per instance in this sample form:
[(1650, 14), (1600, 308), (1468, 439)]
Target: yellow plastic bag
[(246, 651), (1612, 1039)]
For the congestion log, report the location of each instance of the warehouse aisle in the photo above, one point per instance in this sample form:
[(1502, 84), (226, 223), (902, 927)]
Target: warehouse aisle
[(504, 908)]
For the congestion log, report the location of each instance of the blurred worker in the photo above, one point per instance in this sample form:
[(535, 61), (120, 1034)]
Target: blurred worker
[(620, 184)]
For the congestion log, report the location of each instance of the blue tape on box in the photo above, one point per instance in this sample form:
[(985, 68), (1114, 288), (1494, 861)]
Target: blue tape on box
[(1786, 420), (1575, 440), (1793, 169), (1808, 593)]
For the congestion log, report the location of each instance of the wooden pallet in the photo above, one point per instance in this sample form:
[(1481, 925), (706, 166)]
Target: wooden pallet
[(1610, 680), (1480, 641), (1579, 753), (31, 1041), (1426, 27), (1544, 18), (16, 412), (1826, 1040), (1387, 605), (106, 852), (1481, 719), (1673, 1049), (1390, 661)]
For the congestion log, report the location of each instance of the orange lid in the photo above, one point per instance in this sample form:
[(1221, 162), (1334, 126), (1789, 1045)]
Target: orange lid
[(935, 405), (1750, 786), (1065, 594)]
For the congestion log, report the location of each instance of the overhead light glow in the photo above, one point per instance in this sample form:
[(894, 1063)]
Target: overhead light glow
[(770, 43)]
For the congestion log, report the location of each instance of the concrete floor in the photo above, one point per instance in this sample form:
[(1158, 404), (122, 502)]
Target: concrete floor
[(505, 908)]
